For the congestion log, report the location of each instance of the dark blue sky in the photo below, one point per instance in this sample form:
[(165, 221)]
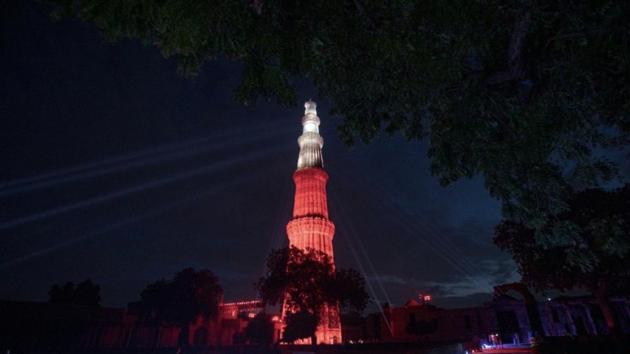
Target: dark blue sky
[(176, 174)]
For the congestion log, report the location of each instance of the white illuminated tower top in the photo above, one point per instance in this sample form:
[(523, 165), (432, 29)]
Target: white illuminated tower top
[(310, 141)]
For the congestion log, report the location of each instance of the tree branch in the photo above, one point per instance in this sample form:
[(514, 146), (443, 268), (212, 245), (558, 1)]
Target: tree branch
[(257, 5), (364, 14), (516, 67)]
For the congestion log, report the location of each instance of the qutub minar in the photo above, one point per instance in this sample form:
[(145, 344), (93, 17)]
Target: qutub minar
[(310, 226)]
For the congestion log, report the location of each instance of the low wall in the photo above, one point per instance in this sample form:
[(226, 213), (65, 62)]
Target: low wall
[(378, 348)]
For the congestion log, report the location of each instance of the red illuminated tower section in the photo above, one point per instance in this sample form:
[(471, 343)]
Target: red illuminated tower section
[(310, 226)]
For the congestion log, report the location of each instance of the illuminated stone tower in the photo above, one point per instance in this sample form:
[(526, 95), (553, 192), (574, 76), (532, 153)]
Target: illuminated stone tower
[(310, 226)]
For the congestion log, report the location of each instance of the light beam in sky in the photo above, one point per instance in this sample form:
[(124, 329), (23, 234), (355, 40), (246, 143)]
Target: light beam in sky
[(38, 216), (126, 222), (141, 158)]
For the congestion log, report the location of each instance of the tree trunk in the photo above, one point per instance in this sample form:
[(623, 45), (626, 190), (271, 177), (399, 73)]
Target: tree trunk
[(601, 296), (516, 66), (531, 305), (534, 318), (182, 341), (157, 337), (314, 339)]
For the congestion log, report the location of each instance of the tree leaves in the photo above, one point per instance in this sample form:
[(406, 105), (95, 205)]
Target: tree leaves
[(85, 293), (586, 245), (299, 325), (427, 69), (181, 300), (304, 282)]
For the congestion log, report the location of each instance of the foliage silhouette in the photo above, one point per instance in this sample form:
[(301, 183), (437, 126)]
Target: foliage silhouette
[(85, 293), (260, 330), (188, 296), (586, 247), (522, 93), (304, 282)]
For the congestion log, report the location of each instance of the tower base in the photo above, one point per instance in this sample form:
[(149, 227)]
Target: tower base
[(329, 329)]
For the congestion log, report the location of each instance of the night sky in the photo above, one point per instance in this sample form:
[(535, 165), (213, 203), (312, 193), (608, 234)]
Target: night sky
[(115, 168)]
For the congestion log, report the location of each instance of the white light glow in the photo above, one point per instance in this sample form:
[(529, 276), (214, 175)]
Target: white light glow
[(311, 127)]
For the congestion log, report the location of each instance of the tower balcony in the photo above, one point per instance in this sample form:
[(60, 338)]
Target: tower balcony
[(311, 232)]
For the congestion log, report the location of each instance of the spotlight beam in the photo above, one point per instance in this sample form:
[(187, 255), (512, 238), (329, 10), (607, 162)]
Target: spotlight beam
[(123, 223), (122, 163), (38, 216)]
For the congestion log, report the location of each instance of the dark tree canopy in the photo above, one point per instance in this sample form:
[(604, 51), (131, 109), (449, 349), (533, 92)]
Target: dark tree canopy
[(85, 293), (260, 330), (301, 324), (588, 243), (308, 281), (180, 301), (348, 287), (587, 246), (526, 94), (519, 92)]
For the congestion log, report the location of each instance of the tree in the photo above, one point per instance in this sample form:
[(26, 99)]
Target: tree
[(519, 92), (587, 247), (531, 305), (180, 301), (301, 324), (348, 288), (306, 282), (260, 330), (85, 293)]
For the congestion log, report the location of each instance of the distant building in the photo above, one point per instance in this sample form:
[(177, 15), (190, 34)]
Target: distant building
[(502, 320), (240, 309), (31, 326), (26, 326), (416, 321), (578, 316)]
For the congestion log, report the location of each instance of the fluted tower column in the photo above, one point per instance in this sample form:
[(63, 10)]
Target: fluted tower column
[(310, 226)]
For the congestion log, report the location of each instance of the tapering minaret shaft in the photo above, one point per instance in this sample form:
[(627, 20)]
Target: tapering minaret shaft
[(310, 227)]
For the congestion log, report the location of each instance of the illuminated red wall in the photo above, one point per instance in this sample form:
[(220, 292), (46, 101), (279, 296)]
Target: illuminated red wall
[(310, 193), (311, 228)]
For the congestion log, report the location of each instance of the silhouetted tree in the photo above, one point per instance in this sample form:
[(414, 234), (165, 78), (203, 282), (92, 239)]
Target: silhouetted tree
[(85, 293), (183, 299), (306, 281), (301, 324), (348, 287), (260, 330), (587, 247), (519, 92)]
